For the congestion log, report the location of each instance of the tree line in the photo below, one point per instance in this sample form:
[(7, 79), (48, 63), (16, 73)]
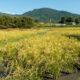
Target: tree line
[(69, 20), (16, 22), (27, 22)]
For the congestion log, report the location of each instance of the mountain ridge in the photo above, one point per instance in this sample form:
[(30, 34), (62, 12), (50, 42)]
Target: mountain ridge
[(45, 14)]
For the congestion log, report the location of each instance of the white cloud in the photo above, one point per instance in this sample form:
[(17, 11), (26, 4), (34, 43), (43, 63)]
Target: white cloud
[(11, 12)]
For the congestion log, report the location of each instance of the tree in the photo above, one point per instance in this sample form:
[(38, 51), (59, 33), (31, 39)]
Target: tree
[(77, 20), (36, 21), (63, 20), (16, 22), (70, 19)]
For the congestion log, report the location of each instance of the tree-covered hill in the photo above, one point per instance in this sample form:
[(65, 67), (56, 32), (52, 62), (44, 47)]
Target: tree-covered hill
[(47, 14)]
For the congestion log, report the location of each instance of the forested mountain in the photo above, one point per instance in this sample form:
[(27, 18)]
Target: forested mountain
[(47, 14)]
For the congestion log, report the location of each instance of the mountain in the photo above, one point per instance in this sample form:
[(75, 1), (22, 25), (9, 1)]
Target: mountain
[(3, 13), (45, 14), (48, 14), (9, 14)]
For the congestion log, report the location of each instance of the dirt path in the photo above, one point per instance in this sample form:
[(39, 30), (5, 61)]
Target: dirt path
[(73, 76)]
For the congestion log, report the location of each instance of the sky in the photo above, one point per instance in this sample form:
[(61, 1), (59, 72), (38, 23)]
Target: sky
[(21, 6)]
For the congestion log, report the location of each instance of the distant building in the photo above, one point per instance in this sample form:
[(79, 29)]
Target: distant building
[(60, 24), (71, 23), (41, 22)]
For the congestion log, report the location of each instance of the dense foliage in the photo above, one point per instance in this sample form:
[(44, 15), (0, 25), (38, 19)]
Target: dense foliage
[(38, 54), (69, 20), (47, 14), (15, 22)]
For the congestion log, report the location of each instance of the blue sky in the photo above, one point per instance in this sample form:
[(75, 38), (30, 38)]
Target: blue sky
[(21, 6)]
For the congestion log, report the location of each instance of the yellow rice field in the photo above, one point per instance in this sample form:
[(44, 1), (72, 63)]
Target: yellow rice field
[(38, 54)]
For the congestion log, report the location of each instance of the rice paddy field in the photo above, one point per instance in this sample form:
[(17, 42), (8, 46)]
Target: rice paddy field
[(39, 54)]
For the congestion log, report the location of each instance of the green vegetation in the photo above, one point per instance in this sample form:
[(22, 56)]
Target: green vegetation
[(38, 54), (15, 22), (70, 20), (47, 14), (7, 21)]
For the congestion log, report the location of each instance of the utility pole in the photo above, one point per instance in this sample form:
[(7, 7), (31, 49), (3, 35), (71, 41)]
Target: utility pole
[(50, 22)]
